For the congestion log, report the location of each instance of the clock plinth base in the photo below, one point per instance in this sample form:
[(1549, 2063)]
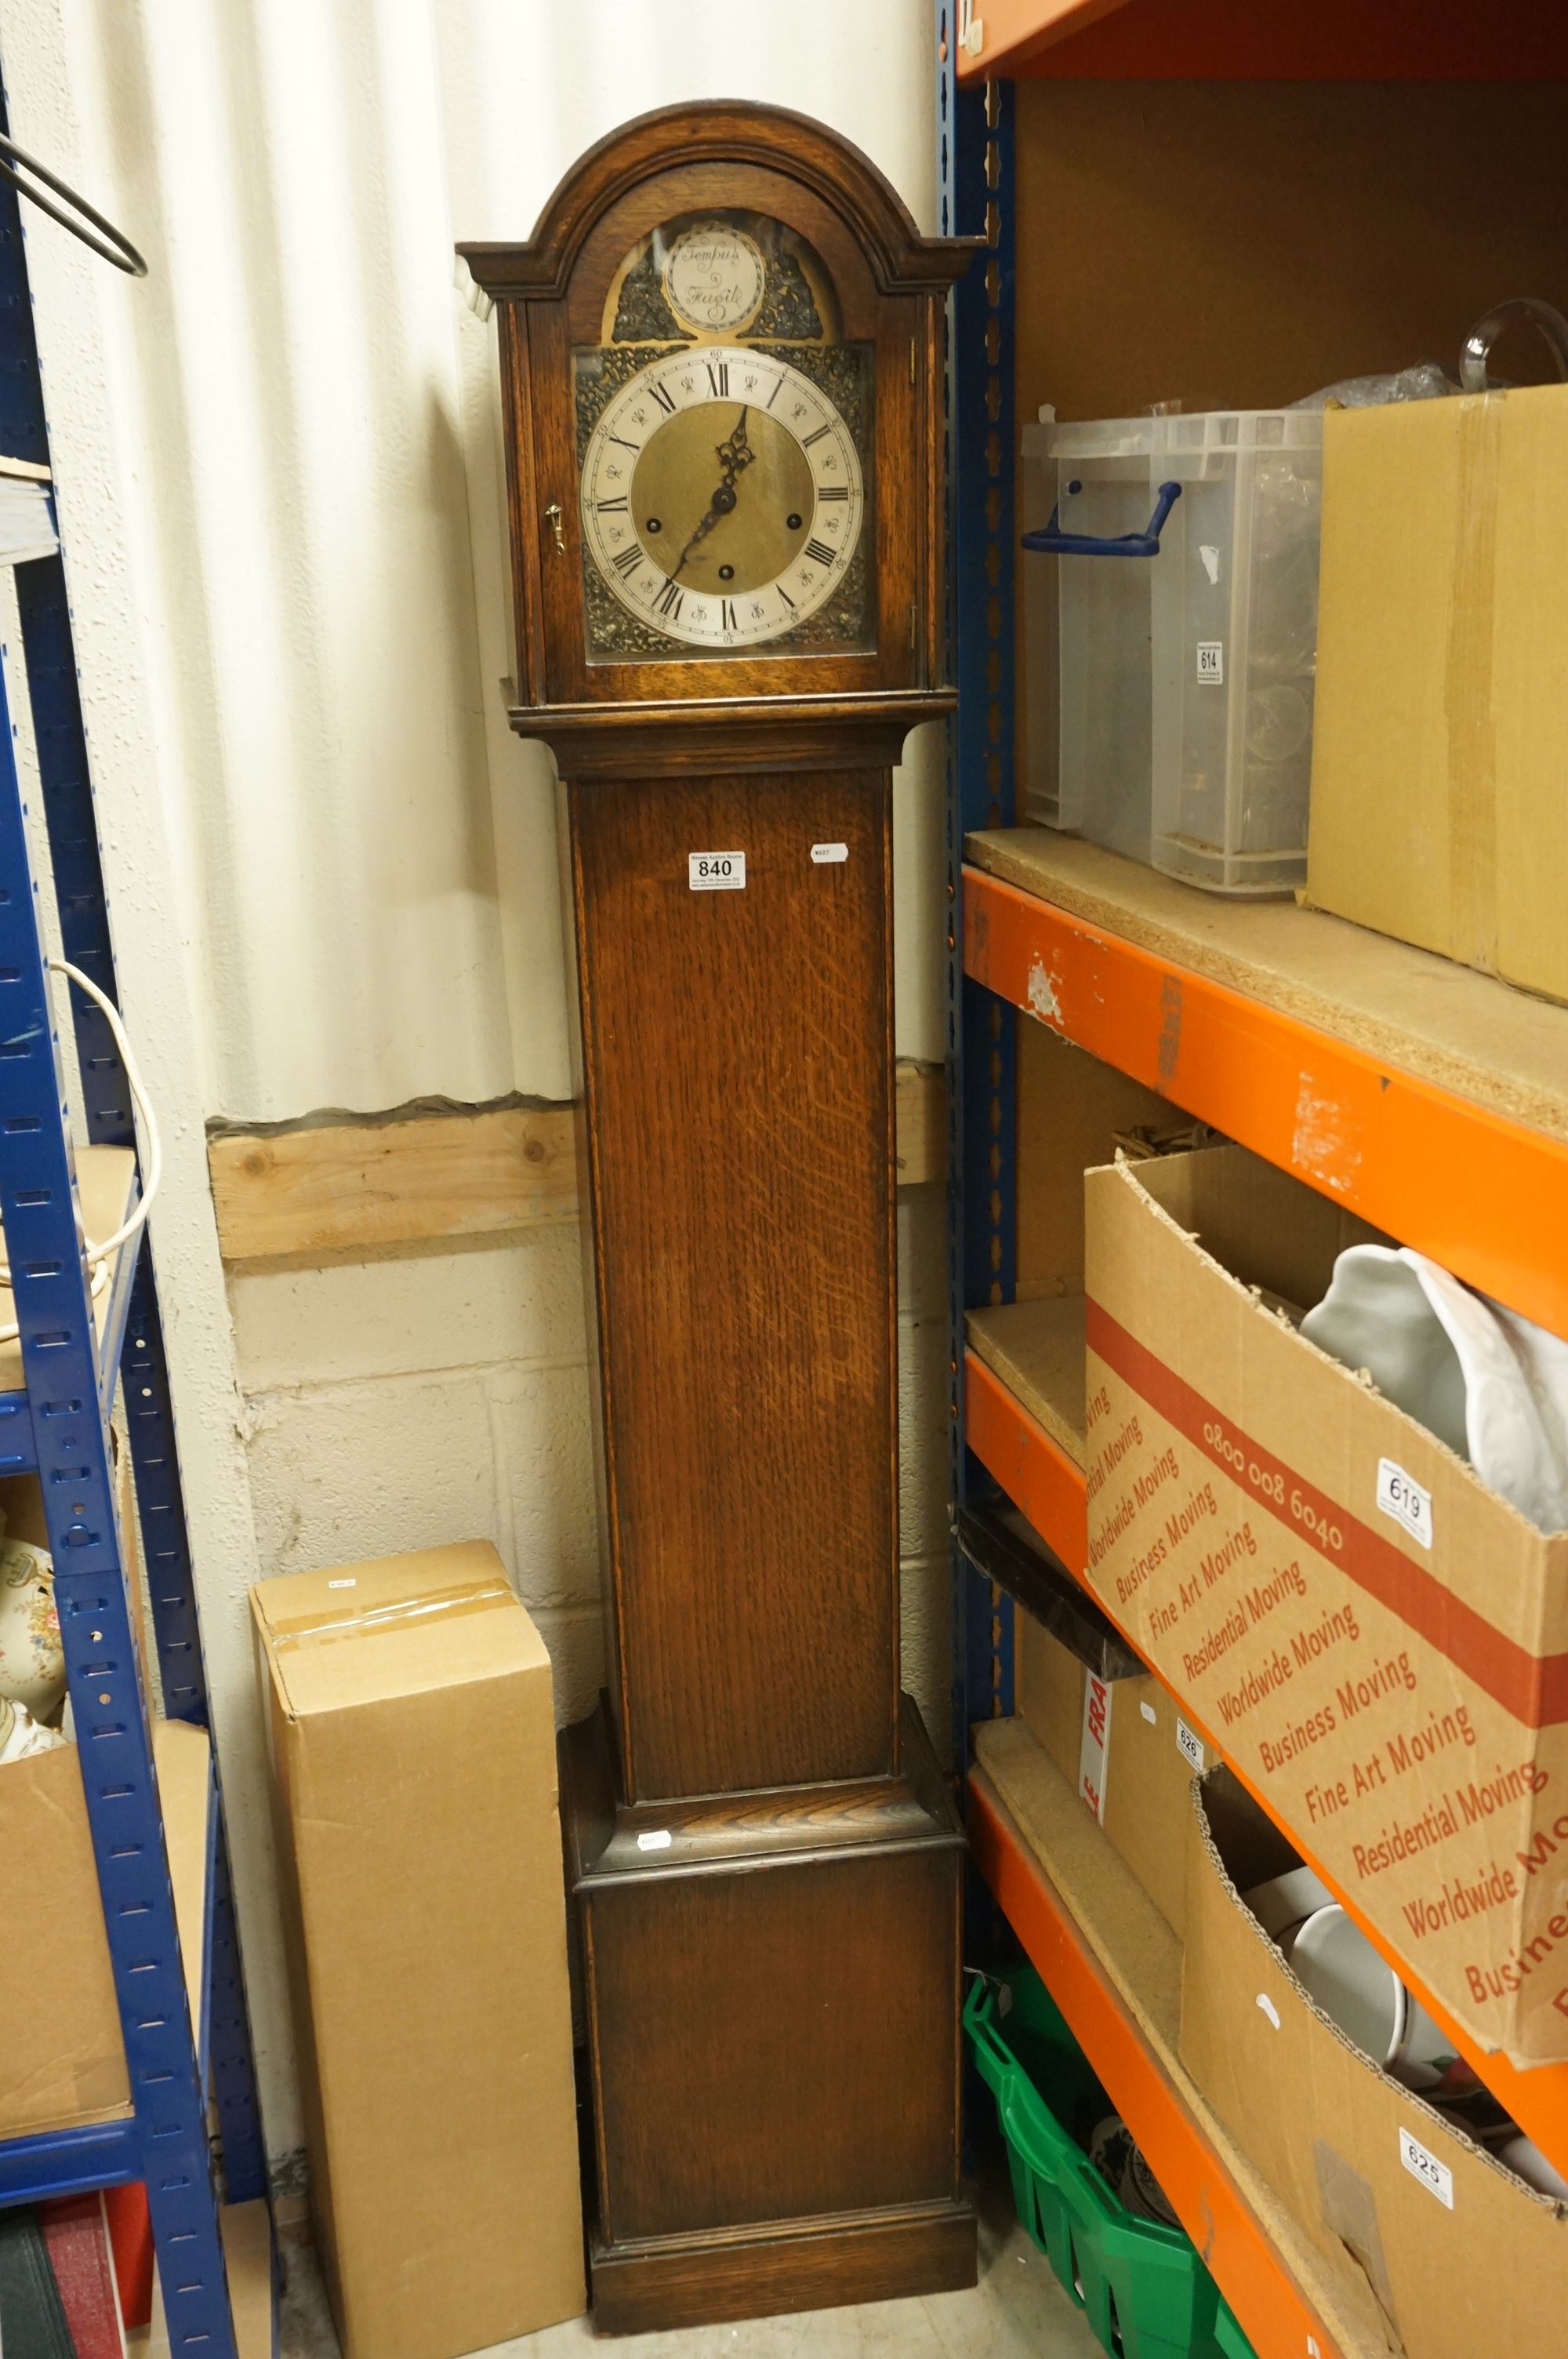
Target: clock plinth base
[(796, 2264), (772, 1983)]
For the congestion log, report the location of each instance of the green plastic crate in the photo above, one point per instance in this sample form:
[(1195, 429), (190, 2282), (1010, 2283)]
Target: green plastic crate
[(1141, 2287)]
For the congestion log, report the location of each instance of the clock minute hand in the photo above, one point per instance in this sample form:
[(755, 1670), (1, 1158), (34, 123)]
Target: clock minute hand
[(735, 453)]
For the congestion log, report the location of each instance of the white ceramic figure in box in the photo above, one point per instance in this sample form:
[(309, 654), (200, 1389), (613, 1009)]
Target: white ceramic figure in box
[(32, 1661), (1516, 1395), (20, 1734), (1493, 1385), (1376, 1315)]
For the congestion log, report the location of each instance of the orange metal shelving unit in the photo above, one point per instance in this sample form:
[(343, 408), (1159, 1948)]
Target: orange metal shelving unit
[(1483, 1195)]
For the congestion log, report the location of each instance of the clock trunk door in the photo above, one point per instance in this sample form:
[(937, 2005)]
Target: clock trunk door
[(735, 969)]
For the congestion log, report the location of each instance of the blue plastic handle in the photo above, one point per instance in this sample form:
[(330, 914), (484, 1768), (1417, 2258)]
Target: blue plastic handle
[(1057, 543)]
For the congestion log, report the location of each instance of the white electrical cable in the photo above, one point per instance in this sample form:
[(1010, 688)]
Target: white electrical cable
[(99, 1255)]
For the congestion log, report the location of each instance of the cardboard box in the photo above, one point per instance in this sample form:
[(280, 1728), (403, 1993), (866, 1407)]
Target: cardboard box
[(1396, 1690), (412, 1736), (62, 2062), (1440, 733), (1126, 1750), (1460, 2257)]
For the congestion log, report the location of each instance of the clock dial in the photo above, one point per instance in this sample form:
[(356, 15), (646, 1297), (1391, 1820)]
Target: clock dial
[(714, 276), (721, 497)]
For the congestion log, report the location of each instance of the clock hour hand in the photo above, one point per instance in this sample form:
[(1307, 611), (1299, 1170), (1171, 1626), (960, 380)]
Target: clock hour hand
[(734, 455), (736, 452)]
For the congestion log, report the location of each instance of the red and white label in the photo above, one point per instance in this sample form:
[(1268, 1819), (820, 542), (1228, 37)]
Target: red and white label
[(1096, 1744)]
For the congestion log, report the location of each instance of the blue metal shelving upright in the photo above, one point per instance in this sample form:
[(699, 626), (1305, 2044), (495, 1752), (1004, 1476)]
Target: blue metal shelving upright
[(58, 1426), (974, 134)]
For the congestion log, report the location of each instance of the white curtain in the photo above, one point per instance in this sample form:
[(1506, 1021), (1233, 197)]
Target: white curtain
[(304, 488)]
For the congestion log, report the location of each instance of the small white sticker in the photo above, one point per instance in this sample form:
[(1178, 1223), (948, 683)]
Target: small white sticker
[(1401, 1496), (1150, 1715), (657, 1839), (1268, 2009), (1211, 663), (1435, 2176), (716, 872), (1190, 1744), (1092, 1751), (823, 852), (1210, 560), (349, 1584)]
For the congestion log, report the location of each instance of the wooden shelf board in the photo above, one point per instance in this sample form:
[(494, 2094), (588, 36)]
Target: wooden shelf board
[(1114, 1967), (105, 1178), (1417, 1091), (1025, 1416), (1037, 1351), (1449, 1025), (1020, 1450)]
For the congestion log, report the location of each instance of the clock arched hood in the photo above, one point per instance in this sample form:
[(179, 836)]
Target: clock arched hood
[(720, 131)]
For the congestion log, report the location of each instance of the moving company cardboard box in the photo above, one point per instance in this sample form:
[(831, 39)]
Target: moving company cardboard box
[(411, 1737), (1463, 2260), (1441, 726), (1379, 1642), (1124, 1748)]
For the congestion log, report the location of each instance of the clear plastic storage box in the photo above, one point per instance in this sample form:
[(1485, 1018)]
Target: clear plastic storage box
[(1171, 637)]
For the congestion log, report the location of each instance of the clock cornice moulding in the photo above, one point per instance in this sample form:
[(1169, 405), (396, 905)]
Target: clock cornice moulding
[(859, 729), (722, 130)]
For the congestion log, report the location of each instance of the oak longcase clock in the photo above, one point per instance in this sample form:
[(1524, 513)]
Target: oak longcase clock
[(721, 357)]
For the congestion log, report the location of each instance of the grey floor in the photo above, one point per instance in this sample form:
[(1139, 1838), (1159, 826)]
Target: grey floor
[(1017, 2311)]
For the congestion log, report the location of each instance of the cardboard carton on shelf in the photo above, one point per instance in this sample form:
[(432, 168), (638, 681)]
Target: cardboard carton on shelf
[(411, 1731), (63, 2064), (1378, 1641), (1440, 733), (1460, 2257), (1124, 1748)]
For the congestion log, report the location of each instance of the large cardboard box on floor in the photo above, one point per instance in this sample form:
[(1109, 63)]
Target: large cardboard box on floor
[(411, 1737), (1440, 739), (1463, 2260), (1123, 1746), (1379, 1643)]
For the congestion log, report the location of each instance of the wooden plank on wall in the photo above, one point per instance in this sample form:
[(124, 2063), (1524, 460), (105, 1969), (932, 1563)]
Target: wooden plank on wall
[(342, 1187), (920, 1118)]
